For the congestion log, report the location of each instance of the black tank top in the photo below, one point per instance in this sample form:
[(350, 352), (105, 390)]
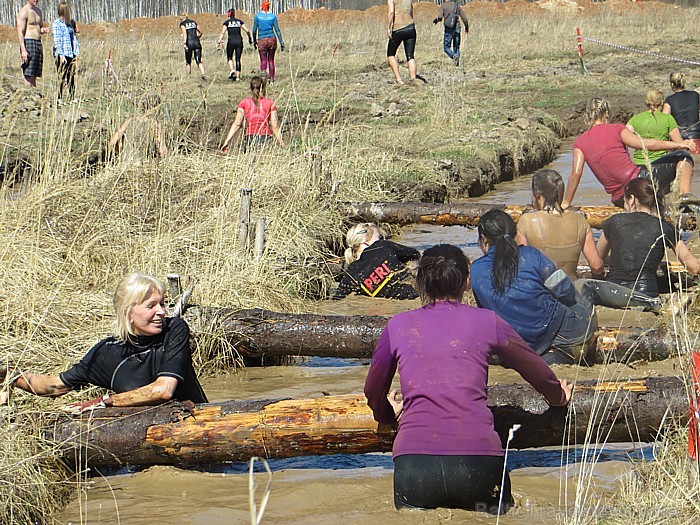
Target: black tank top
[(191, 28), (233, 26), (684, 108)]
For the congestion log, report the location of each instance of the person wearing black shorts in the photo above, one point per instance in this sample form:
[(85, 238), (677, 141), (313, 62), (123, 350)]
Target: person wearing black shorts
[(234, 44), (190, 40), (401, 15)]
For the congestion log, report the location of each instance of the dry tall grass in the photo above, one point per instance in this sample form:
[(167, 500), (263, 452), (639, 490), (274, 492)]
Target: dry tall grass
[(74, 230)]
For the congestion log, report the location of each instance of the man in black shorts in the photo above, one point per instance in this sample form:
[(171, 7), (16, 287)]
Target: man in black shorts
[(190, 40)]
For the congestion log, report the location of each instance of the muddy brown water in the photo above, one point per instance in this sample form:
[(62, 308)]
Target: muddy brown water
[(358, 488)]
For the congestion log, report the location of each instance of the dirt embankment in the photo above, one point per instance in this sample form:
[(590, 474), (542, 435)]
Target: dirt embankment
[(424, 12)]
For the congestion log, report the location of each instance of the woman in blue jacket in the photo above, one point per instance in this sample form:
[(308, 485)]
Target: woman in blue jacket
[(266, 33)]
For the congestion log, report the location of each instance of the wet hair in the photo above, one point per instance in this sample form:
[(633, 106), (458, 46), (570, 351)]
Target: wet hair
[(442, 271), (643, 191), (654, 100), (64, 10), (549, 185), (356, 237), (258, 86), (677, 80), (596, 109), (498, 228), (132, 290)]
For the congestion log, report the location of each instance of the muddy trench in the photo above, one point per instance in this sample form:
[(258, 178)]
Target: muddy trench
[(358, 488)]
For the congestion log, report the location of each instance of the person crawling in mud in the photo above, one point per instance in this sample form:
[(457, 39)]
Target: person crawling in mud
[(560, 234), (446, 452), (376, 267), (147, 362), (604, 148), (526, 289), (140, 137), (636, 241)]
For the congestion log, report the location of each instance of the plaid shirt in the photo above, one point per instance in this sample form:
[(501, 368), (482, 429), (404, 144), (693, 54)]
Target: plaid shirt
[(65, 42)]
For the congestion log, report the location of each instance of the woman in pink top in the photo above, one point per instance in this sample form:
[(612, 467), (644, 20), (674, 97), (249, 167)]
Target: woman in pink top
[(604, 148), (260, 116)]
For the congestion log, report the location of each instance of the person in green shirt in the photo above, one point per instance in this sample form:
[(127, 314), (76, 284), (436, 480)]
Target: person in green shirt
[(657, 125)]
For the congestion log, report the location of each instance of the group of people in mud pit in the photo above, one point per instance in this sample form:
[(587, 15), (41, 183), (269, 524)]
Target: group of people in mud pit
[(532, 309)]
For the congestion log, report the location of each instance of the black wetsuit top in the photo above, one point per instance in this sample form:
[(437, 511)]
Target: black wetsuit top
[(685, 108), (379, 272), (233, 26), (122, 366), (192, 38), (637, 242)]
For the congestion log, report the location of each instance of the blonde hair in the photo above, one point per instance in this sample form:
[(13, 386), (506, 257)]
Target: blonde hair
[(654, 100), (677, 80), (132, 290), (64, 11), (356, 237), (597, 109)]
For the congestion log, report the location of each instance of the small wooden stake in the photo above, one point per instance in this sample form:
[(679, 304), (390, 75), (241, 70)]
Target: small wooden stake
[(244, 219), (174, 286), (259, 237), (316, 167)]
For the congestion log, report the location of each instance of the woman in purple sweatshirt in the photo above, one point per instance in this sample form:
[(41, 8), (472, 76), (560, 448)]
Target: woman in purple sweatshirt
[(446, 452)]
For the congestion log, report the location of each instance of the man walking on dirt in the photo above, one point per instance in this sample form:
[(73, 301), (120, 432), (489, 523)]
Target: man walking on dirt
[(30, 23), (451, 12)]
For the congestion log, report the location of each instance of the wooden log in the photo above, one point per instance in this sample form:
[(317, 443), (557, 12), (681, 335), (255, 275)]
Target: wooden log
[(464, 213), (236, 430), (259, 333)]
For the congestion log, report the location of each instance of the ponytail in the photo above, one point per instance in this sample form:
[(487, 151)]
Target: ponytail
[(498, 228), (257, 88)]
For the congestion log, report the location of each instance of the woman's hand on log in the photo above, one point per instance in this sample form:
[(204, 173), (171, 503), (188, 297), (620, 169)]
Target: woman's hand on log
[(79, 408), (568, 388), (395, 404)]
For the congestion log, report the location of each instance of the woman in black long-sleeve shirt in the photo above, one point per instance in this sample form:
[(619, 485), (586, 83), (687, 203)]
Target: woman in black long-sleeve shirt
[(377, 267)]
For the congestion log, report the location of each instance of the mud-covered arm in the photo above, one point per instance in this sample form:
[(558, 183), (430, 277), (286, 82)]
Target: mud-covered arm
[(574, 177), (378, 382)]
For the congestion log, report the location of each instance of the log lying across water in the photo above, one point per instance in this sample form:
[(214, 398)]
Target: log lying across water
[(261, 333), (236, 430), (464, 213)]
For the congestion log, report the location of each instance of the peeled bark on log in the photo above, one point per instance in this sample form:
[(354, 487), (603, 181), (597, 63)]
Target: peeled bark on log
[(464, 213), (236, 430), (259, 333)]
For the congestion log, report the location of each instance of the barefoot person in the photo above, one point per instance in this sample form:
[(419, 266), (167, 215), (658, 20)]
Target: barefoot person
[(30, 23), (65, 49), (140, 137), (451, 12), (604, 148), (260, 117), (234, 43), (446, 452), (266, 34), (190, 40), (147, 362), (376, 267), (401, 29)]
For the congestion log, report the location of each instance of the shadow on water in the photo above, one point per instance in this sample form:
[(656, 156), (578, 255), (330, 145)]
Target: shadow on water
[(517, 459)]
